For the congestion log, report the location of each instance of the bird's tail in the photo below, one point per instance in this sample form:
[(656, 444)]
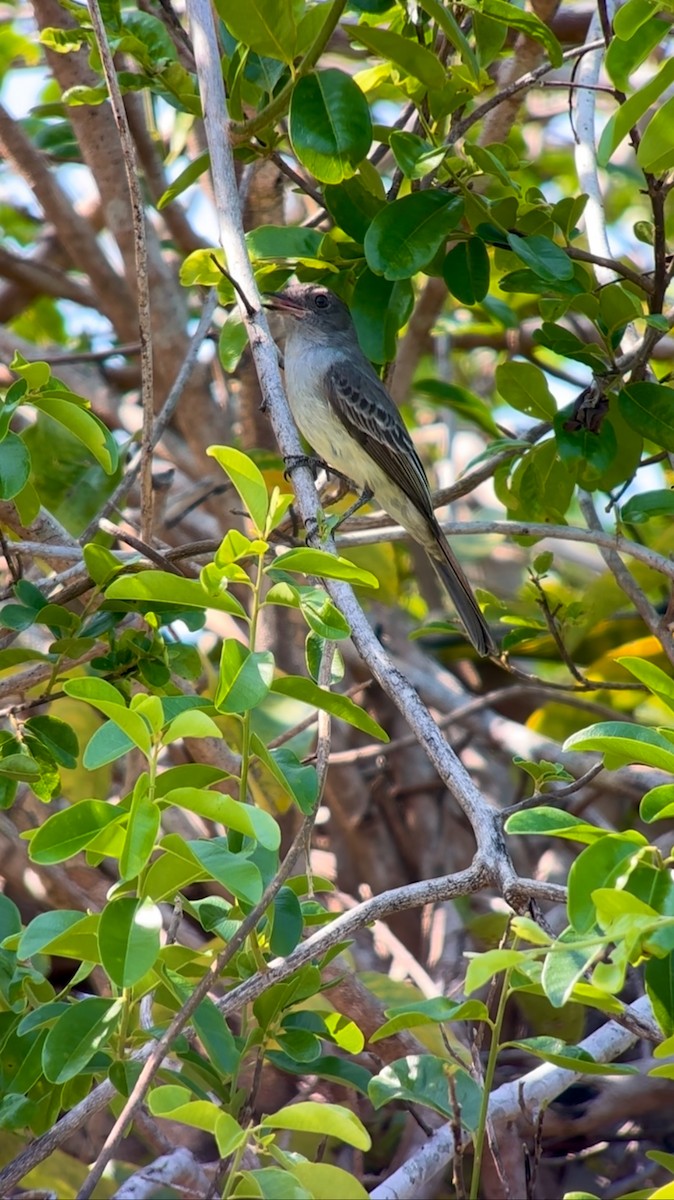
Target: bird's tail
[(451, 575)]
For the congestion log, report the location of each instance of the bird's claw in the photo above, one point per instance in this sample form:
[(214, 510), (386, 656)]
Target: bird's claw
[(293, 461)]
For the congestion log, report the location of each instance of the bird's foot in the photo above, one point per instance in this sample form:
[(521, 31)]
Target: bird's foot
[(364, 498), (312, 461)]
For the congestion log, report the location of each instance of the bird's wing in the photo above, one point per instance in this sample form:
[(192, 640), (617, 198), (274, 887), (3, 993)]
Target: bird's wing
[(369, 415)]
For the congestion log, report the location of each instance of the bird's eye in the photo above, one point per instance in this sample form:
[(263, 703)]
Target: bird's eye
[(321, 301)]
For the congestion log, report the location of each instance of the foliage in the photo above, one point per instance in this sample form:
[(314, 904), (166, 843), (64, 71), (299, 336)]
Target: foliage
[(160, 729)]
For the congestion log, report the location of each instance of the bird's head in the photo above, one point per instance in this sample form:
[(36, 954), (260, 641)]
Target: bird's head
[(315, 309)]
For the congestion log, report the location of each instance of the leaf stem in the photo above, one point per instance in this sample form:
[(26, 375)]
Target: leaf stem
[(487, 1084)]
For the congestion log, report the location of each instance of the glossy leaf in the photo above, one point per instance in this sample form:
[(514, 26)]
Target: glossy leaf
[(128, 937), (247, 479), (466, 271), (267, 26), (72, 1042), (310, 1117), (216, 806), (65, 833), (306, 561), (404, 52), (329, 125), (309, 692), (525, 387), (649, 409), (424, 1077), (164, 590), (245, 677), (406, 235), (623, 743)]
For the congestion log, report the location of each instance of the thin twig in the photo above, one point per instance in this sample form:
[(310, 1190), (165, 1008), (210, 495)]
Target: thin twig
[(140, 254)]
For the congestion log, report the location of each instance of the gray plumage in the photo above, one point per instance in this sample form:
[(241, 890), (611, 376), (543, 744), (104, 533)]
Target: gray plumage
[(344, 411)]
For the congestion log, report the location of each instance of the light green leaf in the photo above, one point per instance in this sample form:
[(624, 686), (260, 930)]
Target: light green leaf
[(267, 26), (305, 561), (338, 706), (128, 938), (310, 1117), (215, 806), (14, 466), (65, 833), (83, 425), (245, 677), (525, 387), (161, 589), (247, 479)]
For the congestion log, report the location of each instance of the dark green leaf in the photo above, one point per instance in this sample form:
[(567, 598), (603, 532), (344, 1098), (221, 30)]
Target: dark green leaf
[(330, 127), (59, 738), (466, 271), (543, 256), (406, 235), (426, 1078)]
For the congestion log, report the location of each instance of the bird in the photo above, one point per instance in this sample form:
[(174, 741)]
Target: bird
[(347, 416)]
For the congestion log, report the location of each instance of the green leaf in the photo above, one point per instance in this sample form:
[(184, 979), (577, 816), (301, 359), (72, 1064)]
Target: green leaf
[(466, 271), (310, 1117), (655, 679), (245, 677), (106, 745), (216, 806), (404, 237), (128, 938), (329, 125), (553, 822), (287, 923), (379, 308), (524, 22), (484, 967), (543, 256), (141, 832), (57, 736), (191, 724), (573, 1058), (14, 466), (299, 781), (65, 833), (279, 242), (325, 1181), (406, 53), (415, 156), (466, 404), (452, 31), (185, 179), (305, 561), (564, 967), (338, 706), (429, 1012), (625, 54), (657, 804), (659, 979), (649, 408), (247, 479), (352, 206), (155, 590), (525, 387), (623, 744), (641, 508), (43, 929), (597, 867), (232, 342), (73, 1041), (656, 148), (631, 111), (267, 26), (425, 1077), (108, 700), (239, 876), (83, 425)]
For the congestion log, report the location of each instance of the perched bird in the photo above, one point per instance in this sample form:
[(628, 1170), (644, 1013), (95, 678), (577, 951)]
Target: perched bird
[(345, 413)]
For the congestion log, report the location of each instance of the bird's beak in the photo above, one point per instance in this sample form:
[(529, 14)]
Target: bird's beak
[(283, 303)]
